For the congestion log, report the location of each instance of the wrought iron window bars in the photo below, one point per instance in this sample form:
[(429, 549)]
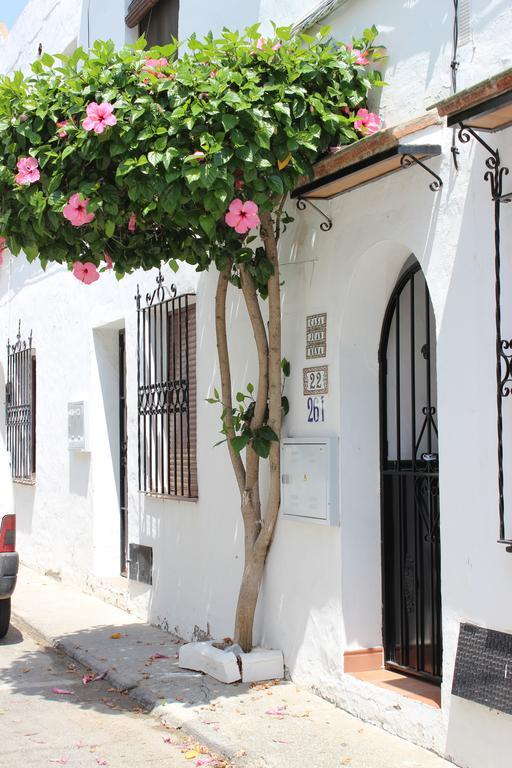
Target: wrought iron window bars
[(494, 175), (20, 406), (166, 378)]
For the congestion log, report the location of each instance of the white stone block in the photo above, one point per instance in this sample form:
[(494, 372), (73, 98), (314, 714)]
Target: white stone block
[(262, 664), (190, 656), (203, 657), (222, 665)]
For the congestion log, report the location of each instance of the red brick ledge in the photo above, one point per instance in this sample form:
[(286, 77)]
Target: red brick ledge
[(369, 147), (475, 94)]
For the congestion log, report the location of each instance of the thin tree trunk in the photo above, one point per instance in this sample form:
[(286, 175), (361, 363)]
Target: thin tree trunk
[(258, 531), (257, 555)]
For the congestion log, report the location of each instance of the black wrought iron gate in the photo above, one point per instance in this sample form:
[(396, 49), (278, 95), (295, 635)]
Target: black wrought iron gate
[(410, 481)]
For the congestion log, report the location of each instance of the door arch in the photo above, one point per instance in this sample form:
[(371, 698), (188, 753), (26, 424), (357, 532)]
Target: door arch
[(412, 632)]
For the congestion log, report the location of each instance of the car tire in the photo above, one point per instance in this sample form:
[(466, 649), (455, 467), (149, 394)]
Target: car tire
[(5, 616)]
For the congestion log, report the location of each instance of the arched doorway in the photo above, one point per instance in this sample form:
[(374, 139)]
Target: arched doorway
[(412, 633)]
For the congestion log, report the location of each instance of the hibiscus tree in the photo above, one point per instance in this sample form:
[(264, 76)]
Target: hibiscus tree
[(134, 158)]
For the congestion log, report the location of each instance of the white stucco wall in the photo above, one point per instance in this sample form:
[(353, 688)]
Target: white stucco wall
[(53, 24), (322, 589)]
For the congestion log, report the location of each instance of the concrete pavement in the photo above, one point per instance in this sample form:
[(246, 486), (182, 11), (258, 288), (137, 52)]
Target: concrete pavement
[(273, 726), (87, 726)]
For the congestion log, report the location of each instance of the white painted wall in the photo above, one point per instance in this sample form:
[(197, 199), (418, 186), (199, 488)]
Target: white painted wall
[(52, 23), (322, 590)]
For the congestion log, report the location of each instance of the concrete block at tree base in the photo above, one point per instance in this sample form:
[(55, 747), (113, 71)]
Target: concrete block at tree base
[(204, 657), (224, 664), (191, 654), (261, 664)]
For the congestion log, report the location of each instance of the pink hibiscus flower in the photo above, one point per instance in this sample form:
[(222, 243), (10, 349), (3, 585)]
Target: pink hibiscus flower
[(260, 45), (366, 122), (198, 155), (155, 66), (76, 211), (242, 216), (3, 246), (99, 116), (132, 223), (28, 168), (361, 56), (108, 260), (62, 133), (87, 273)]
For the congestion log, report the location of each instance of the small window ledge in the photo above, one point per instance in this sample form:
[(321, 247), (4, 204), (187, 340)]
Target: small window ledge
[(367, 160), (485, 106)]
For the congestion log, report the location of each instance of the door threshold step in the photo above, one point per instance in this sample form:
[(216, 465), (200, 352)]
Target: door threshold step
[(405, 685)]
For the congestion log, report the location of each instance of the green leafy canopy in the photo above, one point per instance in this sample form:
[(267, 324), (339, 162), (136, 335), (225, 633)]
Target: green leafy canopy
[(261, 112)]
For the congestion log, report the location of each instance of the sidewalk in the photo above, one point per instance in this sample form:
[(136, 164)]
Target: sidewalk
[(276, 727)]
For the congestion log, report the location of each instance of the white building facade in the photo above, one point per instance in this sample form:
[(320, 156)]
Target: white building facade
[(401, 293)]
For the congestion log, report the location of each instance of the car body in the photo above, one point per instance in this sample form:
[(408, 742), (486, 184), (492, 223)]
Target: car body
[(9, 564)]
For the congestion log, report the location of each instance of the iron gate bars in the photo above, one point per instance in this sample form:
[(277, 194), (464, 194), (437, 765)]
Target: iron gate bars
[(20, 408), (166, 379), (494, 175), (411, 586)]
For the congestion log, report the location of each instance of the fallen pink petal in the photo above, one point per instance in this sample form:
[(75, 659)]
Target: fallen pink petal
[(277, 712), (156, 656), (63, 692)]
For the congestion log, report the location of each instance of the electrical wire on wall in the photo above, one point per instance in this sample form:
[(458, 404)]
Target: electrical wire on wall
[(454, 64)]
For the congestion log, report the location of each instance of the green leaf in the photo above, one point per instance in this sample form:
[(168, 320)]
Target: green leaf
[(276, 184), (250, 388), (240, 442), (110, 227), (208, 224), (285, 366), (267, 434), (229, 121), (261, 447)]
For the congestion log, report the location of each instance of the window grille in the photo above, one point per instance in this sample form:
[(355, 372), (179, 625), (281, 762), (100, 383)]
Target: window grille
[(157, 20), (167, 407), (20, 402)]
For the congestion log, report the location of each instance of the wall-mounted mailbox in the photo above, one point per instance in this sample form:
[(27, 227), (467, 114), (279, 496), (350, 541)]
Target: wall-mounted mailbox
[(309, 479), (77, 428)]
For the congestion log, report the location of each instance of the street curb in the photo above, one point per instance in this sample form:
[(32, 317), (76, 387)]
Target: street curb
[(153, 705)]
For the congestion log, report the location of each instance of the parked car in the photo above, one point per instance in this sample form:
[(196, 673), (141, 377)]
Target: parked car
[(9, 562)]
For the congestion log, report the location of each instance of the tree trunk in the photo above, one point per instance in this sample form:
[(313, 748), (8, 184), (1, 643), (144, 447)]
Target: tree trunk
[(258, 530)]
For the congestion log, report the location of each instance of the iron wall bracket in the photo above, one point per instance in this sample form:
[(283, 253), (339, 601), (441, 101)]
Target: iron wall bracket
[(407, 160), (326, 225)]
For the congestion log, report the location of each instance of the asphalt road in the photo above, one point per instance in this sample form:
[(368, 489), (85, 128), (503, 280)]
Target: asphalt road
[(93, 725)]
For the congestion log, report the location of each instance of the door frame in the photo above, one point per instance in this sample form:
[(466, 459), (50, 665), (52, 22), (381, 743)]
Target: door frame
[(123, 455)]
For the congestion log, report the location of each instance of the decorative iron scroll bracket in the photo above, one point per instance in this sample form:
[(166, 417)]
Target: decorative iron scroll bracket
[(326, 225), (160, 293), (407, 160), (495, 174)]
